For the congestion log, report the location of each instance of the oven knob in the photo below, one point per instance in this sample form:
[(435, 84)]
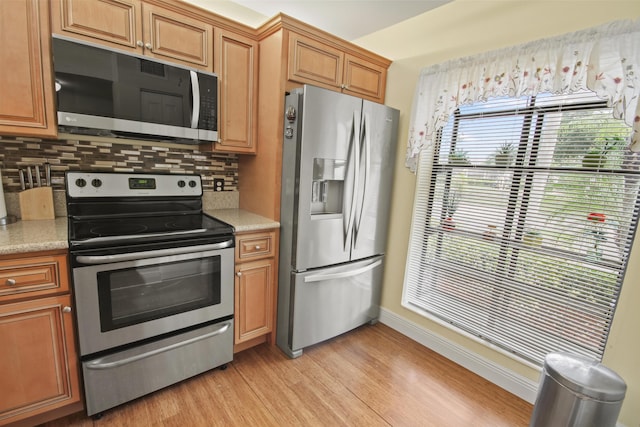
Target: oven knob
[(192, 184), (181, 184), (80, 182), (96, 183)]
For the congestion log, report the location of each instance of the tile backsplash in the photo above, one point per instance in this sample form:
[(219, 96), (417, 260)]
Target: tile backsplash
[(108, 154)]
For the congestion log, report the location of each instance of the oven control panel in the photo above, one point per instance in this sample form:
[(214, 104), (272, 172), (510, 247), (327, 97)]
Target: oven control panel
[(116, 184)]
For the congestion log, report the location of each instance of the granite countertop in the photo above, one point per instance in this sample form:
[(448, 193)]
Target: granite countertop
[(51, 234), (242, 220), (34, 236)]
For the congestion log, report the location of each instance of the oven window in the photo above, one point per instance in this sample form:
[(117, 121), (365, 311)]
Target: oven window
[(139, 294)]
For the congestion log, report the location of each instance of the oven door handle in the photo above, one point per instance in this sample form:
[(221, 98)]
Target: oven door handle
[(106, 259), (104, 363)]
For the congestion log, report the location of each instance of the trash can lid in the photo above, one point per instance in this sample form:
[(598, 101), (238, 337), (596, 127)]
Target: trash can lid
[(585, 376)]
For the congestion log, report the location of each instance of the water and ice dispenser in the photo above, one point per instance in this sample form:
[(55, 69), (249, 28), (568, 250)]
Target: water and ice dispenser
[(327, 186)]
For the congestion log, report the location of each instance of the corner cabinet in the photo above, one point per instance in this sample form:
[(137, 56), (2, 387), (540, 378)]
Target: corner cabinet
[(26, 103), (39, 372), (314, 62), (255, 288), (236, 63), (142, 28)]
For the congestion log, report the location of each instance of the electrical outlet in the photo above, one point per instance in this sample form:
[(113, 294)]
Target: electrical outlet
[(218, 184)]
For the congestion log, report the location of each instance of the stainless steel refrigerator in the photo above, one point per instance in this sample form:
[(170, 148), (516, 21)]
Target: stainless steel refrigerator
[(337, 168)]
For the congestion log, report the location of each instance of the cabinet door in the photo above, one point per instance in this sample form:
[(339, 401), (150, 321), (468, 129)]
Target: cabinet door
[(364, 79), (254, 299), (115, 23), (313, 62), (177, 38), (236, 63), (38, 361), (26, 101)]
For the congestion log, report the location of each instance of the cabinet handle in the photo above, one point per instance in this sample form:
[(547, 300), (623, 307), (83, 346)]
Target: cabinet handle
[(139, 43), (257, 247), (11, 282), (239, 273), (66, 309), (147, 45)]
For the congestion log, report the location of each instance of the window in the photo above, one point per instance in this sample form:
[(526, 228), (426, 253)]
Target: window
[(523, 222)]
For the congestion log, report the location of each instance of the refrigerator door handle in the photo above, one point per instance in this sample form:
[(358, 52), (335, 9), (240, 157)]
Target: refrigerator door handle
[(361, 192), (353, 163), (343, 274)]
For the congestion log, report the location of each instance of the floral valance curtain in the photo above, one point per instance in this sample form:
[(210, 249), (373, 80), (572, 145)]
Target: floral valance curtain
[(604, 59)]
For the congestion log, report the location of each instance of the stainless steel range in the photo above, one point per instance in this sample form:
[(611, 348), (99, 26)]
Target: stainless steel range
[(152, 281)]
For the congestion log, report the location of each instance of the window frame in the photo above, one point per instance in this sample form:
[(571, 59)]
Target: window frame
[(524, 171)]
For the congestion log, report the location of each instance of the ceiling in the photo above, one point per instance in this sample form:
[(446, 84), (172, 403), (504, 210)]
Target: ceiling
[(347, 19)]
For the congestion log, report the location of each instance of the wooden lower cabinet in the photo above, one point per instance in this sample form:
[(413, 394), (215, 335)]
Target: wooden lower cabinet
[(255, 288), (39, 369)]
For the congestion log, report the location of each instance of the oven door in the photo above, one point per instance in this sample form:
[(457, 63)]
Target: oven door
[(129, 297)]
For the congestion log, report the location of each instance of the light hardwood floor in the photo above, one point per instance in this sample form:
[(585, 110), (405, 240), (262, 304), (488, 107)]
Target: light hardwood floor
[(373, 376)]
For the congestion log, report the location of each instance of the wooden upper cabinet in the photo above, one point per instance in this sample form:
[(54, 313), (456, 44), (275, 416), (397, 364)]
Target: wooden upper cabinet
[(313, 62), (26, 101), (364, 79), (112, 22), (137, 27), (236, 63), (177, 38)]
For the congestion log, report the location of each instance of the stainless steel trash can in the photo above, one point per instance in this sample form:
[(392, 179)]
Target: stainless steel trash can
[(577, 392)]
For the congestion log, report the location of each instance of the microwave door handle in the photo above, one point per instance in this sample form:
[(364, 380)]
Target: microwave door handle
[(195, 90)]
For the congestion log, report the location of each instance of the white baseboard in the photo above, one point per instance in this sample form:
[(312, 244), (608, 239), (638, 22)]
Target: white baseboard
[(511, 381)]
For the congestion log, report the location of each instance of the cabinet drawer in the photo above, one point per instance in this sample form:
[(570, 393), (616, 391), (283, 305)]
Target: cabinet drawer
[(33, 276), (255, 246)]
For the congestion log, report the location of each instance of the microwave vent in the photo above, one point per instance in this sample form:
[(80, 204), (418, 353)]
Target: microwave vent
[(153, 68)]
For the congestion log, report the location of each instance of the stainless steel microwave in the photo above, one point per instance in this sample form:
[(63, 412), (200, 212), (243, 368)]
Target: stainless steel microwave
[(111, 93)]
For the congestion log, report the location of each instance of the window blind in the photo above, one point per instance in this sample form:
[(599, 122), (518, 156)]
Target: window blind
[(523, 223)]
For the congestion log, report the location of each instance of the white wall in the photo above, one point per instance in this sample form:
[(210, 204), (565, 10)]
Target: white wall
[(466, 27)]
